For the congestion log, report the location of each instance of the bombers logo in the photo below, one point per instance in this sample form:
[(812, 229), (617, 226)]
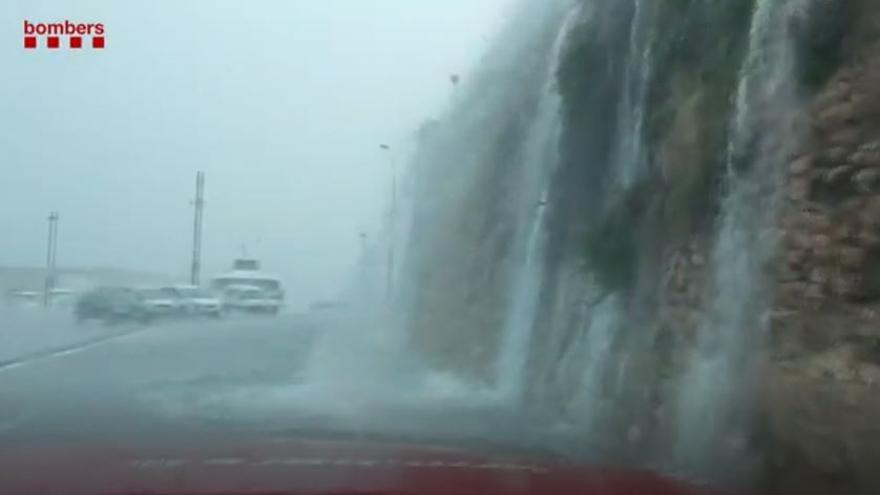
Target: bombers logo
[(72, 32)]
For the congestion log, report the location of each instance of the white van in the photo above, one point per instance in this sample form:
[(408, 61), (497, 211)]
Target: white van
[(246, 274)]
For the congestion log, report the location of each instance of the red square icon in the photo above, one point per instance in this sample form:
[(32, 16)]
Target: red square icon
[(30, 41), (98, 42), (53, 42), (76, 42)]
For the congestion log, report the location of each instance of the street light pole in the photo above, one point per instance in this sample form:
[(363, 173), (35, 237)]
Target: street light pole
[(392, 222), (51, 250), (199, 203)]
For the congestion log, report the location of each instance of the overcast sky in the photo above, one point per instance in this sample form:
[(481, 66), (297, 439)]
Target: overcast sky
[(282, 103)]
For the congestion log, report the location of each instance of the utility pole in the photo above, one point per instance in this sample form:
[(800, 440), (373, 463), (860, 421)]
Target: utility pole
[(199, 204), (392, 222), (51, 252)]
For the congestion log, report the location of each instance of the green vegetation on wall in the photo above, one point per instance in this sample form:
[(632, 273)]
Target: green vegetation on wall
[(821, 34), (611, 247), (697, 48), (582, 64)]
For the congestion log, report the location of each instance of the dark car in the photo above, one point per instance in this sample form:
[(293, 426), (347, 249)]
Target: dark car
[(111, 305)]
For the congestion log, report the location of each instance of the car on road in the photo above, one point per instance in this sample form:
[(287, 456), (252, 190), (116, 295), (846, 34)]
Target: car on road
[(62, 297), (161, 302), (246, 272), (197, 301), (23, 298), (250, 299), (111, 305)]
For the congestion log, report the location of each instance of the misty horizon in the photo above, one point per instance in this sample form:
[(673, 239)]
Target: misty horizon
[(283, 105)]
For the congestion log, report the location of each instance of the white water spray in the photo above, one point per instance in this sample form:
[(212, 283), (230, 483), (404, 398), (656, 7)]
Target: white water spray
[(714, 400), (630, 151), (591, 353), (540, 158)]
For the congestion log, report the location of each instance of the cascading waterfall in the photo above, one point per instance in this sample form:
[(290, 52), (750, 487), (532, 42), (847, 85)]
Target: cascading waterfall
[(471, 277), (590, 369), (521, 316), (630, 149), (603, 372), (591, 357), (482, 274), (540, 157), (714, 399)]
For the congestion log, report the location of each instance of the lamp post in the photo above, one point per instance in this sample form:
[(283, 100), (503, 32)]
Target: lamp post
[(392, 222), (199, 203), (51, 250)]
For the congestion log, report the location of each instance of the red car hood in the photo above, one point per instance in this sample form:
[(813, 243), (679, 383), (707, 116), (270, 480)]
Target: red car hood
[(306, 467)]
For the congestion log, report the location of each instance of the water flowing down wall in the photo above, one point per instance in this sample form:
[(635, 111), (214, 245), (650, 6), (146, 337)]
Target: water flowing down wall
[(717, 392), (595, 223), (630, 150), (587, 367), (468, 280), (539, 161)]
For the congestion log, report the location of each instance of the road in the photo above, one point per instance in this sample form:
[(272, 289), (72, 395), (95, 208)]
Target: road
[(98, 380), (249, 376)]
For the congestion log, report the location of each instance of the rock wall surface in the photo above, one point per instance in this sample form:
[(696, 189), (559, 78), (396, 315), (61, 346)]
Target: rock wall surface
[(823, 390), (820, 398)]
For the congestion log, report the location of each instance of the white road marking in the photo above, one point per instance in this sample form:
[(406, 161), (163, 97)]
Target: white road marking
[(36, 357), (46, 355)]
